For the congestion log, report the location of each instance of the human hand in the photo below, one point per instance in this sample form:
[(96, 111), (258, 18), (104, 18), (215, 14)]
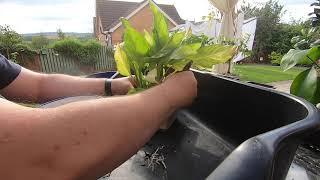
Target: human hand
[(121, 86), (180, 89)]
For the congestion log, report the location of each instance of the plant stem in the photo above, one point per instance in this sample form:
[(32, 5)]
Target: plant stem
[(314, 63)]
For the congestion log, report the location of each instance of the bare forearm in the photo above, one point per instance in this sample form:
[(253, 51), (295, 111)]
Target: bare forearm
[(56, 85), (35, 87), (92, 135)]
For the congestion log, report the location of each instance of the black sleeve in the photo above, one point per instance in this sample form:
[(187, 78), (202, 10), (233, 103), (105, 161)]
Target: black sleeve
[(8, 71)]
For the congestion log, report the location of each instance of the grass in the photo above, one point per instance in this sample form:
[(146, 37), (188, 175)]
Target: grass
[(265, 73)]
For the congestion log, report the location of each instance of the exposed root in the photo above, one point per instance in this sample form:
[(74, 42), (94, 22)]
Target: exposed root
[(155, 159)]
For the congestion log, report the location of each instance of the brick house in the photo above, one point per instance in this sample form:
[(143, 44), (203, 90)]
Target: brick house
[(108, 28)]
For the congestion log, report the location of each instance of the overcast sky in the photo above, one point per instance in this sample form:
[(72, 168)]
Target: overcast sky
[(30, 16)]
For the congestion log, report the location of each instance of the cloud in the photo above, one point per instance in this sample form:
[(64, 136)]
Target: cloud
[(27, 16), (36, 2), (294, 2), (297, 12), (69, 16)]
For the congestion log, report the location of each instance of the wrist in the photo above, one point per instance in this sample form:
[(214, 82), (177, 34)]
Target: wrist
[(108, 87), (169, 96)]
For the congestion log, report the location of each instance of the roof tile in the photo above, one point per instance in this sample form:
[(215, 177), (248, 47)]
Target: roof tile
[(110, 11)]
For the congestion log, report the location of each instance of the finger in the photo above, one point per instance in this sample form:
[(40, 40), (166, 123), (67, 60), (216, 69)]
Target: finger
[(132, 81)]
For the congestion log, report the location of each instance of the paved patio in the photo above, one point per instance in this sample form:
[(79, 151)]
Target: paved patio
[(283, 86)]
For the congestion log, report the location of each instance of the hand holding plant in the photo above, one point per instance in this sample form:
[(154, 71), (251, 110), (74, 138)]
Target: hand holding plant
[(152, 57)]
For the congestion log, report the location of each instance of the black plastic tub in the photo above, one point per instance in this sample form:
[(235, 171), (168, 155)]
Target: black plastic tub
[(233, 131)]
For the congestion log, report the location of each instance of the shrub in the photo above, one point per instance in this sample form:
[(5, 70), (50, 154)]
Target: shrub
[(39, 42), (84, 51), (275, 58)]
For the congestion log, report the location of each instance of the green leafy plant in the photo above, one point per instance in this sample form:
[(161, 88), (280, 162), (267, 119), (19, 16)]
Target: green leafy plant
[(153, 56), (307, 38), (307, 83), (13, 46), (307, 51), (275, 58), (39, 42)]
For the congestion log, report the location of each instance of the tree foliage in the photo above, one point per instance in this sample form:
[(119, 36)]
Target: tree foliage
[(271, 34), (12, 45), (86, 52), (9, 40), (61, 34), (306, 49), (39, 42)]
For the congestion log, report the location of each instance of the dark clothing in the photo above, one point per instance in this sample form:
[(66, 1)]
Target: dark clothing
[(9, 71)]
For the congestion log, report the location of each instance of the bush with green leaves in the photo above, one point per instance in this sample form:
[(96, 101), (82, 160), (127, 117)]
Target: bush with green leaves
[(39, 42), (275, 58), (86, 52), (271, 34), (307, 51), (13, 46), (152, 57)]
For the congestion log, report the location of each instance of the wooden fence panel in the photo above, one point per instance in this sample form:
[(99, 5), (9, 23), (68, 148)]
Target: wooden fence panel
[(52, 62)]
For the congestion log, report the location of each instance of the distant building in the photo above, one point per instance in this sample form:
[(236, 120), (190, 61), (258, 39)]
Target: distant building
[(108, 28)]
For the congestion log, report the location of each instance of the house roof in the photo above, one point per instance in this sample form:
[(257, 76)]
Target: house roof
[(110, 11)]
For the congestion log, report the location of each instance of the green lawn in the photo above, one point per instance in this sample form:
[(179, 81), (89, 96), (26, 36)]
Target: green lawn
[(265, 73)]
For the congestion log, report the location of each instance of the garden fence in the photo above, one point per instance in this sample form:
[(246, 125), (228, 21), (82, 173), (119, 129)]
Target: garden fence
[(52, 62)]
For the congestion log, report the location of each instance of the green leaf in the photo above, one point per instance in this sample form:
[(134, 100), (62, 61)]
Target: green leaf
[(311, 31), (295, 39), (176, 40), (314, 54), (293, 57), (316, 98), (184, 51), (211, 55), (135, 91), (149, 39), (151, 76), (122, 62), (180, 65), (160, 27), (134, 43), (305, 84), (173, 43)]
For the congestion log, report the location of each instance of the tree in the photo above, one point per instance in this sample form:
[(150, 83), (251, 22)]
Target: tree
[(39, 42), (9, 40), (61, 35), (268, 26)]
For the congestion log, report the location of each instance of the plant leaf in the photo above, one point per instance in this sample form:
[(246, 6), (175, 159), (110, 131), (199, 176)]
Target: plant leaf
[(184, 51), (316, 98), (135, 91), (134, 42), (211, 55), (180, 65), (295, 39), (151, 76), (293, 57), (176, 40), (149, 39), (160, 27), (314, 54), (305, 84), (173, 43), (122, 62)]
